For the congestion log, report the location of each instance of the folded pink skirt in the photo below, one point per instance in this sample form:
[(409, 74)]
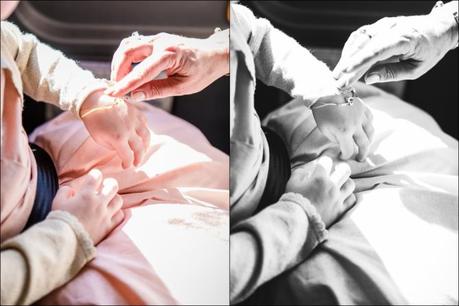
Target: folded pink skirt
[(180, 167)]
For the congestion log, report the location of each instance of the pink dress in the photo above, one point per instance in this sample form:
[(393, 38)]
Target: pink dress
[(181, 167)]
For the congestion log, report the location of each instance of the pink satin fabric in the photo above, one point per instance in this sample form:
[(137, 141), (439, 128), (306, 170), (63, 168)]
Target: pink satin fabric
[(181, 167)]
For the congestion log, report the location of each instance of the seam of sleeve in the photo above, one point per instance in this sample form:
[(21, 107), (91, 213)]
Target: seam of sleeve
[(313, 216)]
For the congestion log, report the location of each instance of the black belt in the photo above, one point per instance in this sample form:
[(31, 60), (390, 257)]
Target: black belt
[(47, 185), (279, 169)]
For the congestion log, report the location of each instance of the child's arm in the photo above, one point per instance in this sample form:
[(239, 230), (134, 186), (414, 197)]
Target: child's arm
[(269, 243), (47, 75), (281, 61), (43, 258), (284, 234)]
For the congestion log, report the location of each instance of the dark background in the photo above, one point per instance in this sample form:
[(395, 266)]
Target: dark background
[(92, 30), (328, 24)]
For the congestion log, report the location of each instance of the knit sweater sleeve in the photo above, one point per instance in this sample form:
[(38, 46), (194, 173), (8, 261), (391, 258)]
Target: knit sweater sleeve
[(280, 61), (43, 258), (47, 75), (272, 241)]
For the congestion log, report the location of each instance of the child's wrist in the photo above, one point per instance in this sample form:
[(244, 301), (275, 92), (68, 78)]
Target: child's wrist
[(91, 101)]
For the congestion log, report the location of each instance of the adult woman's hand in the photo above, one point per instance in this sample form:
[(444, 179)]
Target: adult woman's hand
[(189, 64), (398, 48), (95, 204), (329, 190)]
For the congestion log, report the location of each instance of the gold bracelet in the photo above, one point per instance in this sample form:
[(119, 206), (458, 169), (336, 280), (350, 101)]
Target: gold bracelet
[(349, 95), (118, 101)]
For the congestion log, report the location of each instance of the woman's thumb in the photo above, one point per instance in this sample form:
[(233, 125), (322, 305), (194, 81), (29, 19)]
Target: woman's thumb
[(390, 72)]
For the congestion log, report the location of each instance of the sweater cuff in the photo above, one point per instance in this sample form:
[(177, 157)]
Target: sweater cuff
[(315, 220), (84, 240), (94, 85)]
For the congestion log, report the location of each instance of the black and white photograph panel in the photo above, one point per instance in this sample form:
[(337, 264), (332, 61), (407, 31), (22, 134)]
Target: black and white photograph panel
[(344, 153)]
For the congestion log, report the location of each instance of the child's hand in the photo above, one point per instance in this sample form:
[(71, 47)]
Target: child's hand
[(96, 204), (346, 125), (116, 126), (331, 192)]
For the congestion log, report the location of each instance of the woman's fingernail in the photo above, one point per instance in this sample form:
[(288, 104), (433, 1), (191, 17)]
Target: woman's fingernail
[(138, 96), (372, 78)]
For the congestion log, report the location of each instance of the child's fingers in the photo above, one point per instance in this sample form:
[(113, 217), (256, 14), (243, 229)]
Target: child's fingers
[(323, 166), (126, 154), (136, 144), (144, 134), (346, 145), (64, 193), (368, 115), (340, 174), (92, 181), (348, 188), (362, 142), (369, 130), (109, 188), (349, 202), (115, 204), (118, 217)]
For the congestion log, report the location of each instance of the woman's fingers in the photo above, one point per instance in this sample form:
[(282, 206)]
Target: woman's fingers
[(340, 174), (363, 143), (356, 40), (390, 72), (380, 48), (144, 72), (109, 188), (92, 181), (359, 40), (126, 55), (158, 89)]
